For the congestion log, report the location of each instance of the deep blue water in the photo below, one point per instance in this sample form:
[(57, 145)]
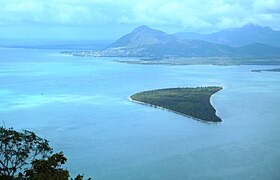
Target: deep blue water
[(80, 105)]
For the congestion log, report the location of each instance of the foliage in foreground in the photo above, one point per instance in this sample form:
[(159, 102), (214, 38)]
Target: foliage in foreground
[(24, 155)]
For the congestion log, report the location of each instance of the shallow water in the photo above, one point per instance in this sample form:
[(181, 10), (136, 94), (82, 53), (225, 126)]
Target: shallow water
[(81, 105)]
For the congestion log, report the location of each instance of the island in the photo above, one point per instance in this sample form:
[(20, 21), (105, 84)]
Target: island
[(271, 70), (145, 45), (191, 102)]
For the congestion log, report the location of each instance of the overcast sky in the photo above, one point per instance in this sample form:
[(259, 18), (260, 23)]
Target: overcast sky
[(109, 19)]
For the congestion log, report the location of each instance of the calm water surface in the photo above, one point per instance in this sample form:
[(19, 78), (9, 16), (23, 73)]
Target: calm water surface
[(81, 106)]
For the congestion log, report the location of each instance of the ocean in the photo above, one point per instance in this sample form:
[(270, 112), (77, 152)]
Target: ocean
[(80, 104)]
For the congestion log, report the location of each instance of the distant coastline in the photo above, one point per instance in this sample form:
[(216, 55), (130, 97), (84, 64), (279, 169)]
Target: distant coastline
[(153, 46), (218, 61), (269, 70)]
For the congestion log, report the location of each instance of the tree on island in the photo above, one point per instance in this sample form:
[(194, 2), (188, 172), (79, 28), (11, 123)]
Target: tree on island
[(26, 156)]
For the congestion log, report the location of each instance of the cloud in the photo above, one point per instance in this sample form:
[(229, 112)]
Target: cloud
[(268, 6), (52, 12), (200, 15)]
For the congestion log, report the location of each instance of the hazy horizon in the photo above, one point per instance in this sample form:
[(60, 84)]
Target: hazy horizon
[(108, 20)]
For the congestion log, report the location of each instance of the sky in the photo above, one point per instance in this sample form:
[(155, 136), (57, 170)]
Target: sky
[(110, 19)]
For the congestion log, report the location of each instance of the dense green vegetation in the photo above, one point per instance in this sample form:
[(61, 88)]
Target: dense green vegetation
[(194, 102), (26, 156)]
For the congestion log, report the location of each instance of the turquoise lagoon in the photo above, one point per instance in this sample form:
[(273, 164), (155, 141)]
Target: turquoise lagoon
[(80, 104)]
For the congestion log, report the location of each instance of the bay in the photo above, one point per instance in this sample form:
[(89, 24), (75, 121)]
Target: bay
[(80, 104)]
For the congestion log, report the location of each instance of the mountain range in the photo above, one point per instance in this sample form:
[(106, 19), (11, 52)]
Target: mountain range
[(236, 37), (250, 41)]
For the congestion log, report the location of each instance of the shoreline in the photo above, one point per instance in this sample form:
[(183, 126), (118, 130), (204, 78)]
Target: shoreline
[(138, 62), (214, 63), (182, 114), (266, 70)]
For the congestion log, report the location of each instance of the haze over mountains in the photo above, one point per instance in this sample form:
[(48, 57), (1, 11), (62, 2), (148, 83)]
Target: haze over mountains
[(251, 41), (236, 37), (147, 42)]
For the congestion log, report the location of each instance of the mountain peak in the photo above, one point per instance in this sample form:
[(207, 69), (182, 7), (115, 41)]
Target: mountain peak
[(143, 36), (236, 37), (142, 28), (147, 42), (252, 26)]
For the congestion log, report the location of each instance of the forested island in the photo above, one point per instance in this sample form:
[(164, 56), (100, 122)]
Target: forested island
[(193, 102)]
